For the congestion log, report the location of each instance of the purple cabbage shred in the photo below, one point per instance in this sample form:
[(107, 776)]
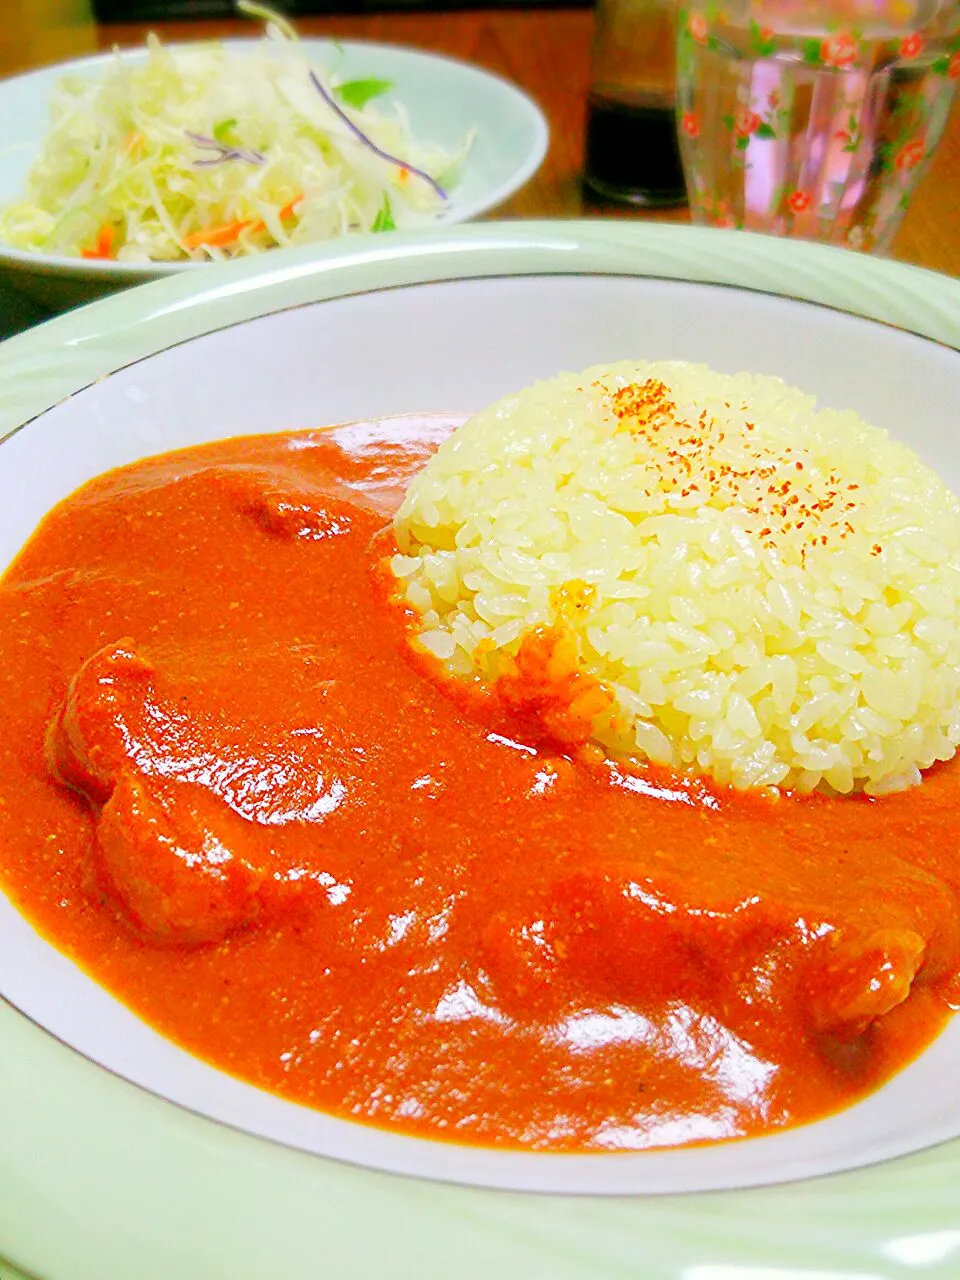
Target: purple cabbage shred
[(224, 152), (368, 142)]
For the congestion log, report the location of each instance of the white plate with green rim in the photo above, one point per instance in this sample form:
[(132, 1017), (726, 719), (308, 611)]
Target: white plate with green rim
[(446, 99), (121, 1155)]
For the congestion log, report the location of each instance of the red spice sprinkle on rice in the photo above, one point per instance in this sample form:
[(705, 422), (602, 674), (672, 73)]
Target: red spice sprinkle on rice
[(757, 485)]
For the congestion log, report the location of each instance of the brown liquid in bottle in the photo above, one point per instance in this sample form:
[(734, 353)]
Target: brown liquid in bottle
[(632, 152)]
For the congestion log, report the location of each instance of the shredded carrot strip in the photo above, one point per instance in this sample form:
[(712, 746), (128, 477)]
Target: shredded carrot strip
[(285, 213), (288, 209), (229, 231), (215, 236), (104, 245)]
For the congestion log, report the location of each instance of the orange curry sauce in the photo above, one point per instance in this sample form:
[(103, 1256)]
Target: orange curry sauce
[(233, 795)]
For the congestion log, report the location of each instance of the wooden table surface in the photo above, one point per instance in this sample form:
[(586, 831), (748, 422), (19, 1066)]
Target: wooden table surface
[(545, 52)]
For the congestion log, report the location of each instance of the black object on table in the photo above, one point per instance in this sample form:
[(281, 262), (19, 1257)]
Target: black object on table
[(160, 10), (632, 153)]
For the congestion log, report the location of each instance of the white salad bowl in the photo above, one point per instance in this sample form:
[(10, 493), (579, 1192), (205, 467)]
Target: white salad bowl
[(446, 100)]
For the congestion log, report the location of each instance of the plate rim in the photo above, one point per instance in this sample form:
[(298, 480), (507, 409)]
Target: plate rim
[(74, 1133), (183, 306), (118, 273)]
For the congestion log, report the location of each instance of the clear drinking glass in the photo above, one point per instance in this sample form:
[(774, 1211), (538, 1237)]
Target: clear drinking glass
[(813, 119), (632, 151)]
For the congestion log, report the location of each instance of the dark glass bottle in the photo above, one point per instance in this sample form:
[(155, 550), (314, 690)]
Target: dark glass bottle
[(632, 152)]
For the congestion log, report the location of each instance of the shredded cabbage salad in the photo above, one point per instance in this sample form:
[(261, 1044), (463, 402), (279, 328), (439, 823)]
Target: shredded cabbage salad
[(202, 152)]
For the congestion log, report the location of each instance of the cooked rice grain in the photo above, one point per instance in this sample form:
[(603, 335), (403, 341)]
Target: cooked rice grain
[(769, 592)]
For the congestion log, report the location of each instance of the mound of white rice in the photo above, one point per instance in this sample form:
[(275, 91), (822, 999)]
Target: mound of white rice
[(770, 593)]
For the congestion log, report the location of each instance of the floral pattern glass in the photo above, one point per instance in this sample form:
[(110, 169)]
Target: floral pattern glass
[(814, 120)]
